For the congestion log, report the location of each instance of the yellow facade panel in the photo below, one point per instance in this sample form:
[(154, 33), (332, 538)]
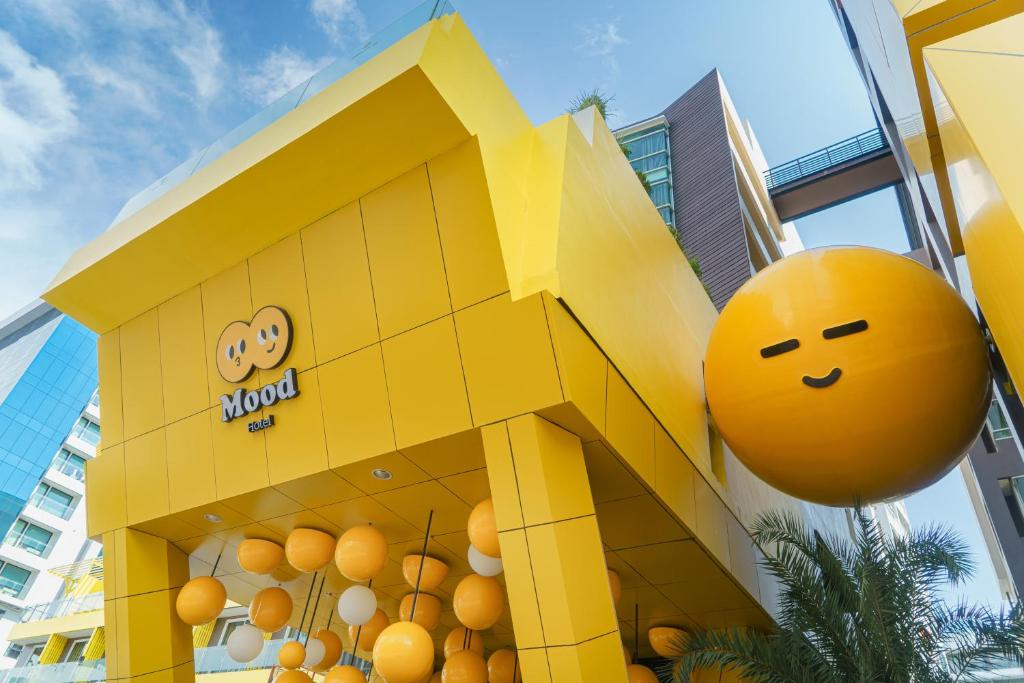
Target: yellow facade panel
[(108, 352), (404, 472), (190, 464), (582, 367), (609, 478), (535, 665), (404, 248), (295, 444), (104, 485), (630, 428), (226, 298), (599, 659), (619, 528), (453, 454), (317, 490), (338, 278), (182, 356), (239, 457), (145, 465), (155, 640), (743, 557), (425, 383), (354, 395), (141, 374), (501, 471), (465, 220), (674, 477), (141, 563), (507, 357), (712, 520), (415, 503), (277, 278)]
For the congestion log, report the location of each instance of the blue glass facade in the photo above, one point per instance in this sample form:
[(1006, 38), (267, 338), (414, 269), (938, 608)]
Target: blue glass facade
[(40, 411), (648, 152)]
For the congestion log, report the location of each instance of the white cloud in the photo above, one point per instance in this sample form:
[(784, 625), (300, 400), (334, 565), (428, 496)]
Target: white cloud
[(278, 73), (600, 39), (115, 81), (340, 20), (36, 111), (200, 52)]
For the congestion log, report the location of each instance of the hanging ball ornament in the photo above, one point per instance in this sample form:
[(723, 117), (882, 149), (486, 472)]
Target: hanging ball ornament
[(667, 641), (357, 605), (361, 553), (245, 643), (309, 550), (270, 609), (291, 655), (502, 666), (201, 600), (315, 652), (484, 565), (332, 649), (459, 640), (404, 653), (483, 529), (438, 677), (434, 571), (345, 674), (368, 632), (258, 556), (465, 666), (478, 601), (293, 676), (615, 584), (635, 673), (428, 610)]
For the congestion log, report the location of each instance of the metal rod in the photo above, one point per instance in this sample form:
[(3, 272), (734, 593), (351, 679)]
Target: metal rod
[(312, 617), (216, 563), (359, 630), (515, 664), (636, 631), (419, 574), (312, 583)]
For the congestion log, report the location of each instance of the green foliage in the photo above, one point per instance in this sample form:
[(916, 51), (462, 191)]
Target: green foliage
[(595, 97), (694, 263), (867, 610)]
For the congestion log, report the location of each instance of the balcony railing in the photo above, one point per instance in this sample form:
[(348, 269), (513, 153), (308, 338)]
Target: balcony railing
[(69, 469), (215, 659), (54, 507), (71, 672), (63, 607), (846, 150)]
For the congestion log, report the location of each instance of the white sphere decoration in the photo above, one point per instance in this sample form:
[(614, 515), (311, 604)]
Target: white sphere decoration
[(245, 643), (357, 605), (484, 565), (315, 652)]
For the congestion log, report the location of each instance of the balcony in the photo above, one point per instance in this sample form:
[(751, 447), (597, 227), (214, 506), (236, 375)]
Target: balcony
[(63, 607), (94, 670), (210, 660)]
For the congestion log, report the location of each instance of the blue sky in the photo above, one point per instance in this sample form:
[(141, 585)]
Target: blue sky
[(98, 98)]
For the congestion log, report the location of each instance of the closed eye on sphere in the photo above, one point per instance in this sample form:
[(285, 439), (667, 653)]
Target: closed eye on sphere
[(780, 348), (845, 329)]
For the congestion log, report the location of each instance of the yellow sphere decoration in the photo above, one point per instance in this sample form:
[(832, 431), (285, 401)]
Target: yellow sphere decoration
[(666, 640), (434, 571), (502, 666), (459, 640), (465, 666), (332, 649), (293, 676), (847, 373), (404, 653), (483, 529), (478, 601), (635, 673), (291, 655), (201, 600), (258, 556), (615, 583), (369, 631), (345, 674), (428, 610), (270, 609), (361, 553), (309, 550)]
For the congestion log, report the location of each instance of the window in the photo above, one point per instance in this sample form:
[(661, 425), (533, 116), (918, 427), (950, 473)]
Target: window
[(69, 464), (1012, 489), (37, 652), (14, 651), (87, 431), (229, 628), (74, 650), (94, 400), (29, 537), (13, 579), (53, 500), (997, 422)]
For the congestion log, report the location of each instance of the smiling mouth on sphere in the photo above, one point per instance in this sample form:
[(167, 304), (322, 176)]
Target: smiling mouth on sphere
[(272, 347), (822, 382)]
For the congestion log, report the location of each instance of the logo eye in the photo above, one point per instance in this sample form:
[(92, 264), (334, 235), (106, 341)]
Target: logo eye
[(273, 332), (780, 348), (241, 346), (261, 337), (845, 329), (230, 351)]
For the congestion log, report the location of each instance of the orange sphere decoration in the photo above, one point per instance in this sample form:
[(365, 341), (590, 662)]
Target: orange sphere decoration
[(370, 630), (667, 641), (428, 610), (483, 529), (291, 655), (615, 583), (309, 550), (404, 653), (436, 678), (478, 601), (258, 556), (501, 665), (293, 676), (434, 571), (270, 609), (345, 674), (201, 600), (361, 553), (465, 666), (635, 673), (332, 649), (458, 640)]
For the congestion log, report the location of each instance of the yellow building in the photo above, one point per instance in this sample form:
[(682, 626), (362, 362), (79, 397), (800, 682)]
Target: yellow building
[(479, 307)]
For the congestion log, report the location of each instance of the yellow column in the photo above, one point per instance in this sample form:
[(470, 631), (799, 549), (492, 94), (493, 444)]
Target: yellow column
[(53, 649), (142, 577), (95, 648), (555, 573)]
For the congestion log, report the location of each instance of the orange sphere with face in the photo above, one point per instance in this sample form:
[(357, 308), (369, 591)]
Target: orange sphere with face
[(847, 374), (262, 343)]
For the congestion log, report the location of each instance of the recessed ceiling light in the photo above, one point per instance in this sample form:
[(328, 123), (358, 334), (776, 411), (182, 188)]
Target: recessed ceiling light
[(381, 474), (210, 517)]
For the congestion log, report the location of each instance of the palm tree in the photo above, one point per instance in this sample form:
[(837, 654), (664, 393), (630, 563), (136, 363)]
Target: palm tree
[(866, 610)]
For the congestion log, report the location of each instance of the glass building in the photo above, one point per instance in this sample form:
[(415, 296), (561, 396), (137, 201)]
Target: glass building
[(647, 147)]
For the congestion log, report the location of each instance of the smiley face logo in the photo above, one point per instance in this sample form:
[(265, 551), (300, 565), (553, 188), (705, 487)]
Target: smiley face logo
[(846, 374), (262, 343)]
